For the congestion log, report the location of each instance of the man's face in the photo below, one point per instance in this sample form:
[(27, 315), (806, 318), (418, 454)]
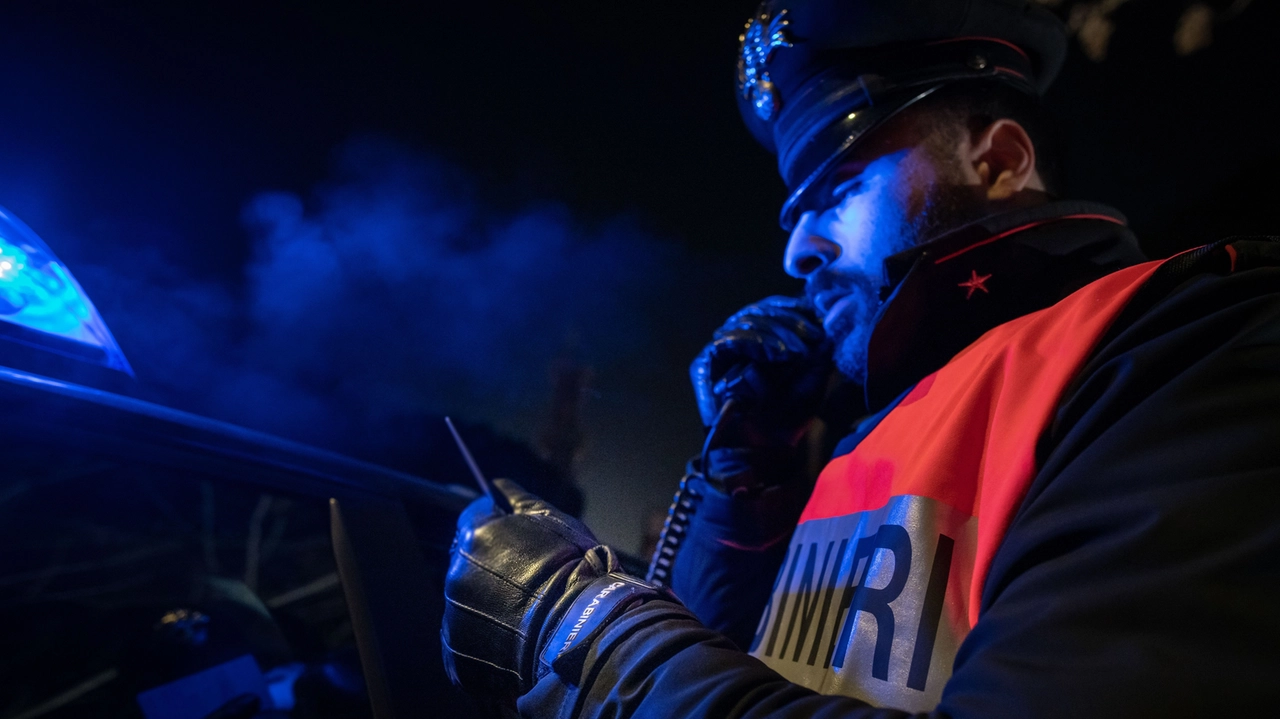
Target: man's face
[(905, 188)]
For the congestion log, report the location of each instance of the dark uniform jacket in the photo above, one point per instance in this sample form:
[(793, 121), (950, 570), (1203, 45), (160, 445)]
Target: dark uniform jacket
[(1135, 575)]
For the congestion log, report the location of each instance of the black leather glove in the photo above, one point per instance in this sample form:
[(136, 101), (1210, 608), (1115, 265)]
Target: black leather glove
[(525, 594), (773, 360)]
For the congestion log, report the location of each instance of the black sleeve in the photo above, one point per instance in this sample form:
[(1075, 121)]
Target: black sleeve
[(1139, 577), (658, 661), (733, 549)]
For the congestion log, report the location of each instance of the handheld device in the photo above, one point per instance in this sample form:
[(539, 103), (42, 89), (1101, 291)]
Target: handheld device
[(499, 500)]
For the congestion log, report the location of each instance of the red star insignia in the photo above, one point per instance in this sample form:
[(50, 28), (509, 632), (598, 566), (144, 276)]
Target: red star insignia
[(976, 282)]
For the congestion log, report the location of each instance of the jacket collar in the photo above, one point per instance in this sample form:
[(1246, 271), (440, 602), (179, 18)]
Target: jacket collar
[(946, 293)]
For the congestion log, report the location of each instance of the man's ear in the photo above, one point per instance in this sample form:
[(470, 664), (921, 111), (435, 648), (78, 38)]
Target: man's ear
[(1004, 159)]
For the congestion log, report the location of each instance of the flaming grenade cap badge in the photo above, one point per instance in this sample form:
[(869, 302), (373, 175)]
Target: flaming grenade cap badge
[(757, 44)]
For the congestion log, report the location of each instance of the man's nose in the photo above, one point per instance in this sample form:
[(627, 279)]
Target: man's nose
[(807, 250)]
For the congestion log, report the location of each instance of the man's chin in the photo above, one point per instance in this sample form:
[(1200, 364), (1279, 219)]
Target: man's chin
[(850, 355)]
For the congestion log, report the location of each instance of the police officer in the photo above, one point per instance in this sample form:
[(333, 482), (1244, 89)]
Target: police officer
[(1063, 500)]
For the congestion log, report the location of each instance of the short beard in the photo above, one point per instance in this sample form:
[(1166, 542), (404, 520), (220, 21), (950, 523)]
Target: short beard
[(851, 331), (947, 205)]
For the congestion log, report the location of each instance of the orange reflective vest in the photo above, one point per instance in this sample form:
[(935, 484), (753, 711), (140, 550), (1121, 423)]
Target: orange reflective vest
[(885, 571)]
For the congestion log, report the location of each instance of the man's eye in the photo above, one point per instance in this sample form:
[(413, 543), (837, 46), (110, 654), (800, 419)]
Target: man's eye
[(844, 189)]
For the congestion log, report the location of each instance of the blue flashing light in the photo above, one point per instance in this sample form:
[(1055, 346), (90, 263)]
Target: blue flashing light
[(42, 305)]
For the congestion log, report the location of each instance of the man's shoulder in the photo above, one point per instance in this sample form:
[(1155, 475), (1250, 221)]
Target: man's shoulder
[(1206, 324), (1207, 293)]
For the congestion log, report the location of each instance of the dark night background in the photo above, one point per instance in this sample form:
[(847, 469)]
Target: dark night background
[(322, 219)]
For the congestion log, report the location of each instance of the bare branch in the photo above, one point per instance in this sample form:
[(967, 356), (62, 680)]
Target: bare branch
[(70, 695), (253, 543)]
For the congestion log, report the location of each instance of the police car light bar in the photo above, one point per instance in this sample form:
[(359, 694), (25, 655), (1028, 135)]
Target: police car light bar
[(42, 305)]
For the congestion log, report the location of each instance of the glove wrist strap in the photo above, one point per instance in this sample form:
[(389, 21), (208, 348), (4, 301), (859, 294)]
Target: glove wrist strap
[(596, 605)]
